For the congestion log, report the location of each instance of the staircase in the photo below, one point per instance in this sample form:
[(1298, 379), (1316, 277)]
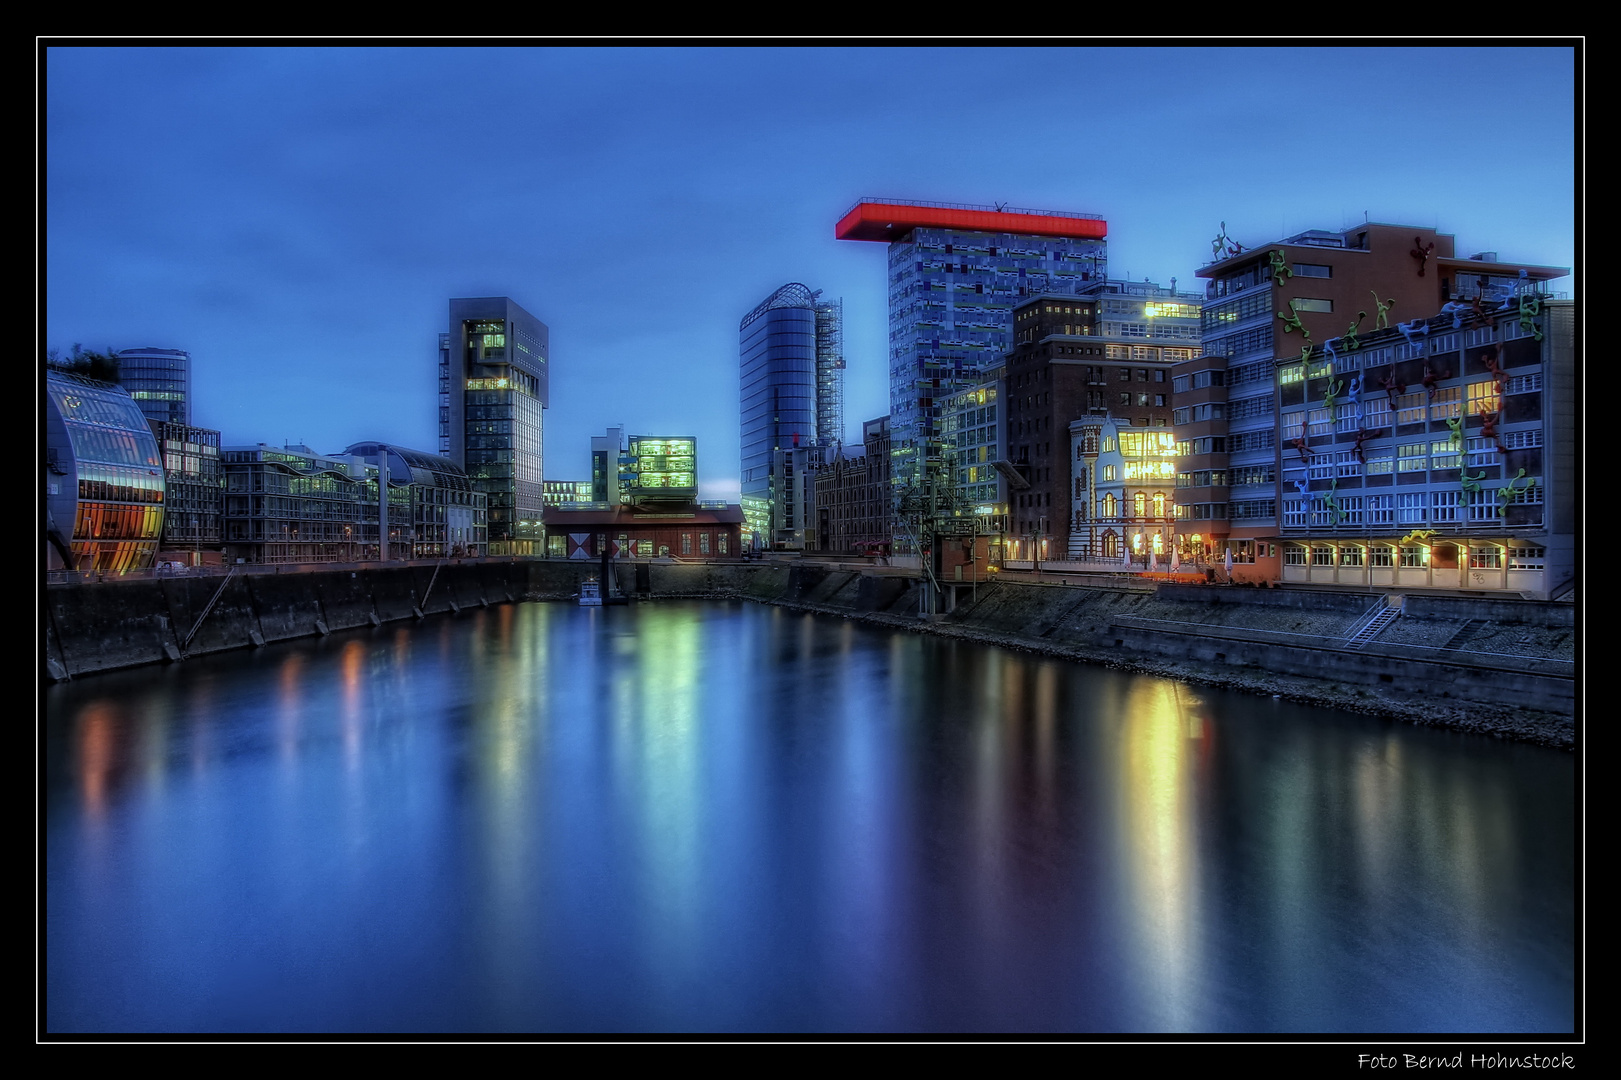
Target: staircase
[(1387, 611)]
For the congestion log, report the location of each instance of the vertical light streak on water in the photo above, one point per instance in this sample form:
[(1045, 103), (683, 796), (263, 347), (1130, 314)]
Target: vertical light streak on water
[(509, 814), (859, 892), (1161, 861), (669, 805), (290, 712)]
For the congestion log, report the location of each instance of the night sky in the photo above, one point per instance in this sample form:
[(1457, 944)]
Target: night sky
[(298, 218)]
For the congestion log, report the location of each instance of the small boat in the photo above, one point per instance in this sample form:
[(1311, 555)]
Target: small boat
[(590, 593)]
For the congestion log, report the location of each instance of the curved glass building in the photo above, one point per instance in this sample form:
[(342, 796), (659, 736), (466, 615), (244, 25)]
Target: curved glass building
[(790, 375), (103, 476), (160, 382), (447, 513)]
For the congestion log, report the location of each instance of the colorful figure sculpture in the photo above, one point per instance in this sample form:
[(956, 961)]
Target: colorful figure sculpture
[(1349, 340), (1280, 268), (1431, 378), (1493, 364), (1456, 310), (1300, 443), (1330, 392), (1291, 321), (1421, 252), (1488, 430), (1456, 427), (1361, 437), (1328, 352), (1411, 330), (1393, 388), (1529, 307), (1332, 503), (1487, 318), (1384, 307)]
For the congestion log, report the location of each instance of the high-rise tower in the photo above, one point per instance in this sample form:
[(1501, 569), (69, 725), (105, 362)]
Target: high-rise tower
[(792, 408), (493, 369), (159, 381), (955, 274)]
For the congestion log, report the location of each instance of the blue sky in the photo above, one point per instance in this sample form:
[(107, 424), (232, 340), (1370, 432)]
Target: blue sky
[(297, 218)]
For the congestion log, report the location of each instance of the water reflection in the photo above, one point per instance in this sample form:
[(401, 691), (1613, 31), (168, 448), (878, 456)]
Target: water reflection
[(727, 817)]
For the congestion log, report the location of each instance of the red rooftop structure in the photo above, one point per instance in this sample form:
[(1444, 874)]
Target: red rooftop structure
[(889, 221)]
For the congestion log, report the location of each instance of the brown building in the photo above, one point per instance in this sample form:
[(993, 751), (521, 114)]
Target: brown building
[(1261, 307), (853, 496), (1107, 353), (696, 531)]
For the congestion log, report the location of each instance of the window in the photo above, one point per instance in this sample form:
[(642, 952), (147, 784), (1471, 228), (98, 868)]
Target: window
[(1415, 556), (1485, 558), (1526, 558), (1380, 555), (1351, 507), (1294, 511), (1318, 423), (1346, 463), (1410, 408), (1523, 384), (1444, 404), (1481, 451), (1380, 509), (686, 543), (1322, 555), (1108, 472), (703, 543), (1311, 270), (1350, 556), (1411, 507), (1414, 457), (1521, 440), (1483, 397), (720, 540), (1294, 555), (1446, 506), (1444, 455), (1307, 303)]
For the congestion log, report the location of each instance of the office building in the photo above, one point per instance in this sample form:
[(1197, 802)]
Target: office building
[(194, 485), (791, 409), (493, 389), (1440, 454), (610, 482), (564, 492), (955, 274), (104, 486), (1262, 307), (1104, 353), (446, 516), (853, 496), (159, 381)]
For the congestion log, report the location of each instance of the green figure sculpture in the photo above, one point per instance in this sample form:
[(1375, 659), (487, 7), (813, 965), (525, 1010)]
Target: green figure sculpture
[(1456, 427), (1291, 321), (1280, 268), (1529, 306), (1384, 310), (1349, 340), (1330, 392)]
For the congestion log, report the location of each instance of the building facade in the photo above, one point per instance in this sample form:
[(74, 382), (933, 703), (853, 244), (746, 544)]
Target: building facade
[(1104, 354), (1440, 454), (104, 483), (159, 380), (194, 483), (1123, 498), (447, 516), (493, 390), (955, 274), (853, 496), (790, 394), (1265, 305)]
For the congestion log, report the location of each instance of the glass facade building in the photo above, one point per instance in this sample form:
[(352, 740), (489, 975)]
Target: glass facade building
[(493, 388), (159, 381), (791, 398), (104, 485), (194, 488), (955, 273), (448, 516)]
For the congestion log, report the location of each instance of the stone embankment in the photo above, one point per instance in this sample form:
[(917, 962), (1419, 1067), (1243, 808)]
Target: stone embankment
[(1503, 667)]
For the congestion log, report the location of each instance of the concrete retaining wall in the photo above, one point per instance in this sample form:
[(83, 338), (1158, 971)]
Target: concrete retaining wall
[(1495, 651)]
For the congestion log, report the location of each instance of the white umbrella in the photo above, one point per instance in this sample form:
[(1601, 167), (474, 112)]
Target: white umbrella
[(1176, 559), (1227, 561), (1125, 552), (1153, 561)]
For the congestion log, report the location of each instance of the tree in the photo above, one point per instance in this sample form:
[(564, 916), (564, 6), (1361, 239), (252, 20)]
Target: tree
[(86, 362)]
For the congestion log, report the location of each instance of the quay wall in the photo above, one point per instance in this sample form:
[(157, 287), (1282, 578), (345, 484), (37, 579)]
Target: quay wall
[(1483, 664)]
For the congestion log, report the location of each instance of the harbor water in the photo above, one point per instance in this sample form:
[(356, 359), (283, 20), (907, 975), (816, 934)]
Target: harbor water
[(731, 817)]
